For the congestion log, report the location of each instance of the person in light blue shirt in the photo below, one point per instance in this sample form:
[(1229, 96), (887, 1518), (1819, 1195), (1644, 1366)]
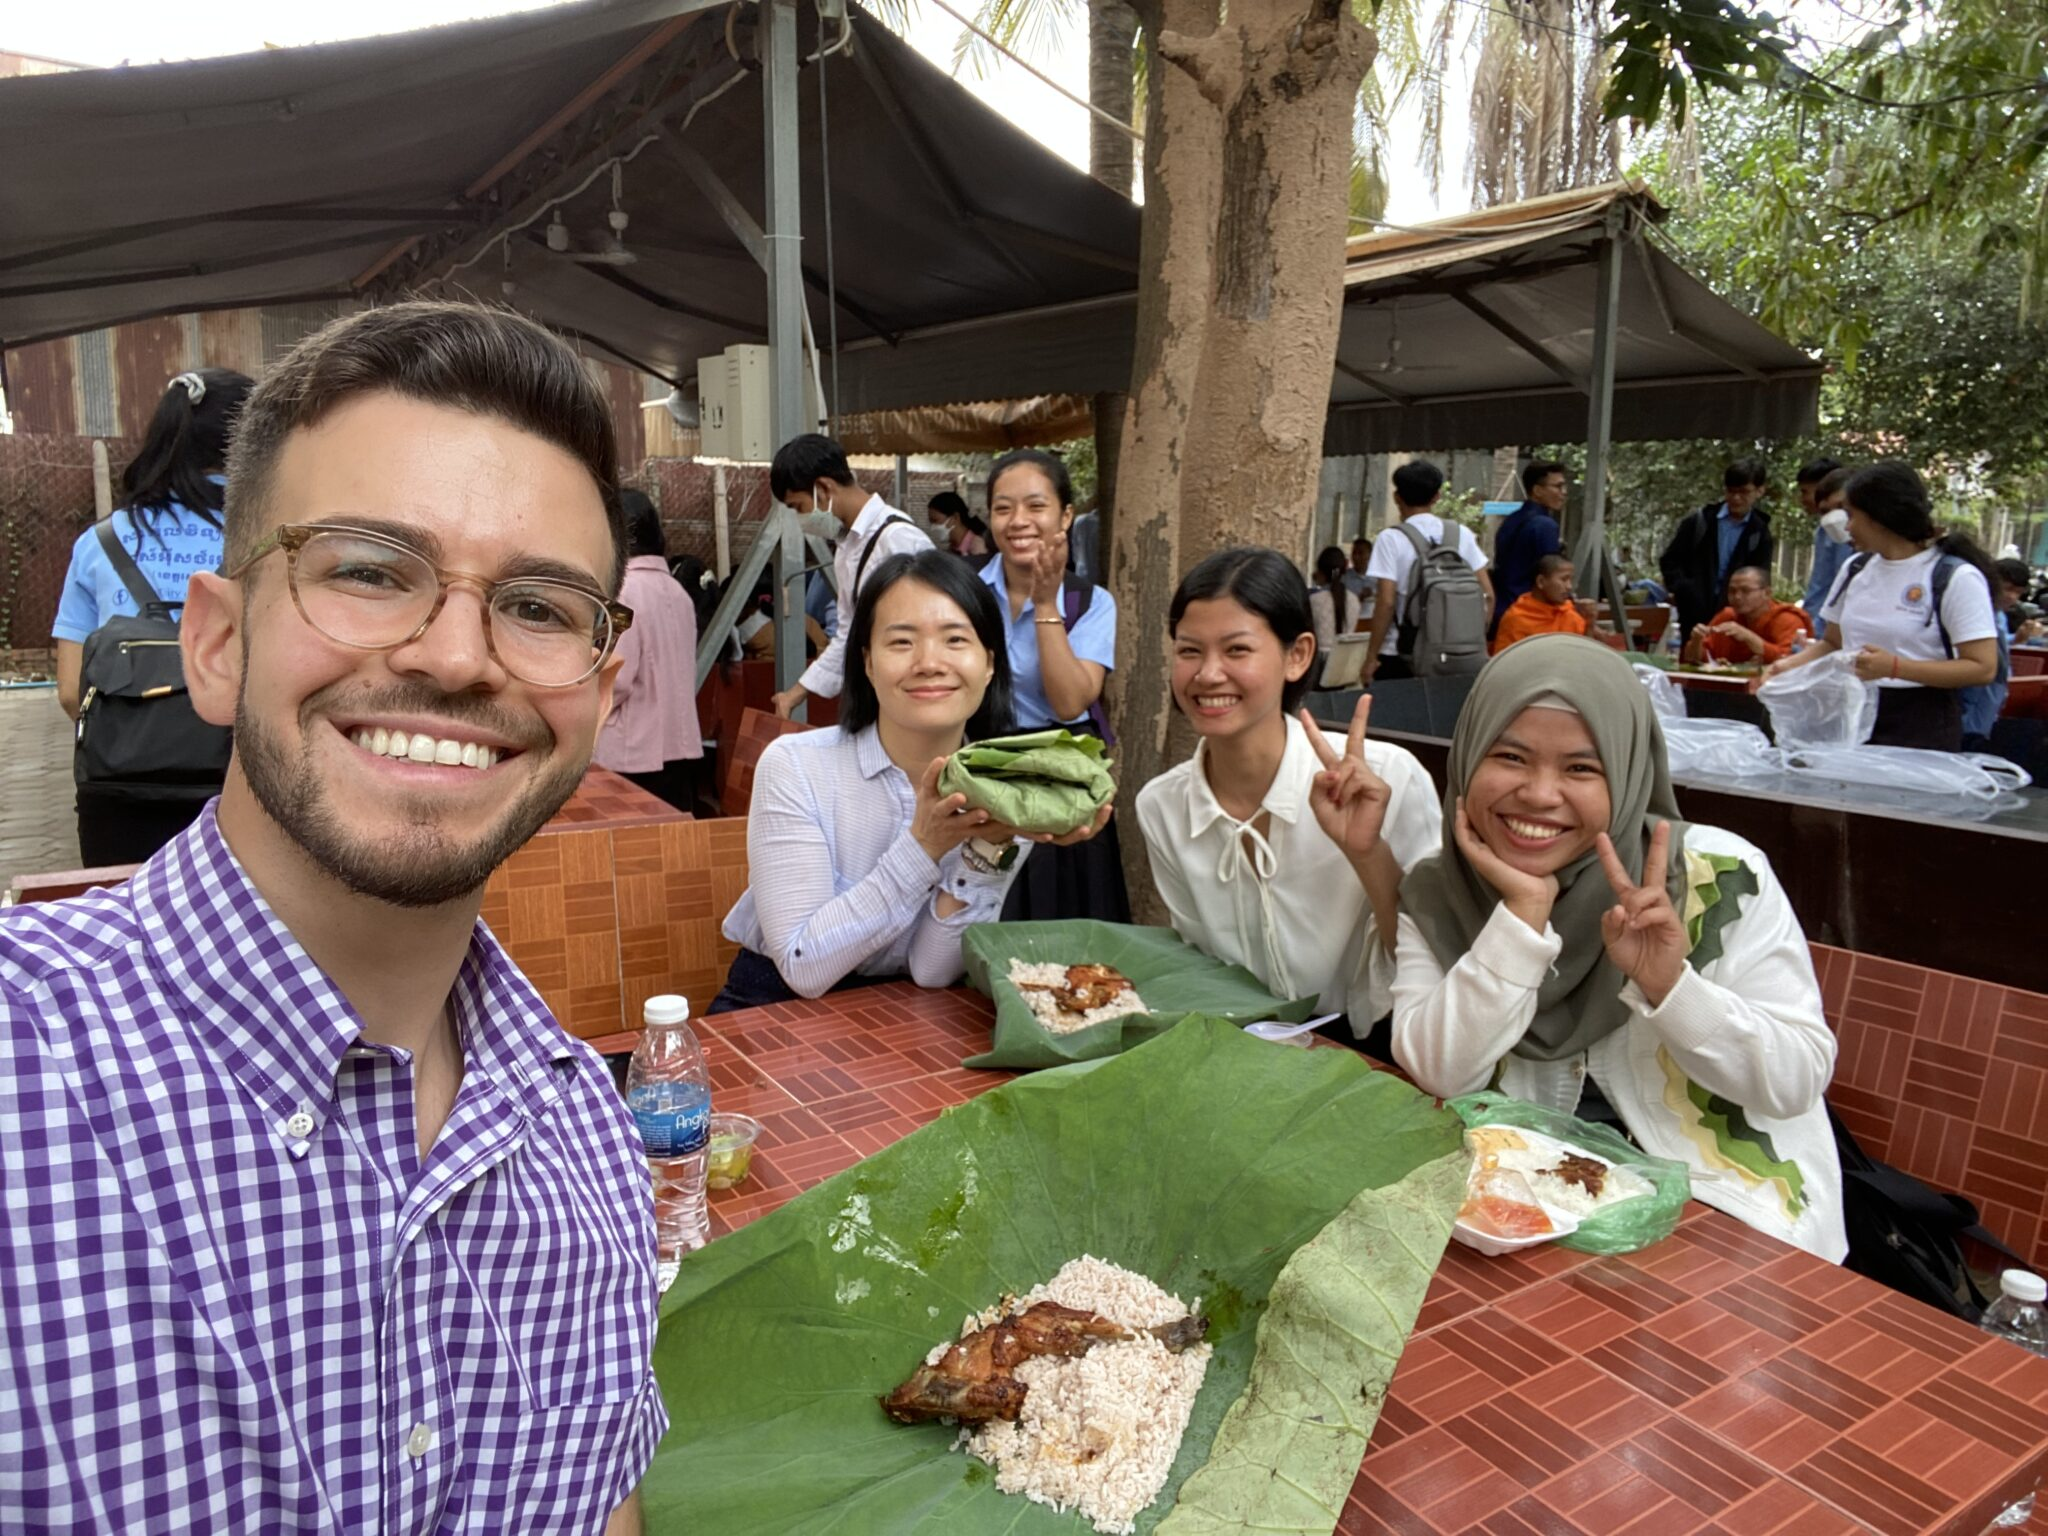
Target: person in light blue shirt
[(1820, 498), (168, 517), (1062, 641)]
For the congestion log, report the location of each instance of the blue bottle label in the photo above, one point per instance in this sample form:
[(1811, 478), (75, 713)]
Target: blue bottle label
[(674, 1118)]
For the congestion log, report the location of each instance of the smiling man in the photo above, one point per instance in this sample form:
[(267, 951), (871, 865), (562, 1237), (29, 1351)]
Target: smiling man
[(314, 1219)]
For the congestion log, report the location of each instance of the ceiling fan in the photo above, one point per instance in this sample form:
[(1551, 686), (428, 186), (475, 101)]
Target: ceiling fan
[(613, 253)]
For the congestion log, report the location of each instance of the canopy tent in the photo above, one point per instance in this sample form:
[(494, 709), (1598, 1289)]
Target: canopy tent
[(436, 161)]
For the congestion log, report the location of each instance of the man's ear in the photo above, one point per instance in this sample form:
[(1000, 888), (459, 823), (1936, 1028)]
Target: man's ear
[(210, 636), (607, 676)]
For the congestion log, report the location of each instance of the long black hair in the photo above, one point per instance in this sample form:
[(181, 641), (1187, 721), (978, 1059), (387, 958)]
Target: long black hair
[(1261, 581), (186, 444), (1892, 495), (949, 576), (1331, 564)]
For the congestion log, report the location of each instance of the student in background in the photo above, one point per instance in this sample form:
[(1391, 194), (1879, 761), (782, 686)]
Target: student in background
[(1983, 703), (651, 735), (962, 532), (1330, 602), (1417, 485), (1528, 533), (1547, 609), (1829, 551), (1718, 539), (1062, 644), (169, 522)]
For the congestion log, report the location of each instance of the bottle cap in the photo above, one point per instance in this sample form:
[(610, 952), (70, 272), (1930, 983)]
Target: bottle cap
[(2021, 1286), (669, 1008)]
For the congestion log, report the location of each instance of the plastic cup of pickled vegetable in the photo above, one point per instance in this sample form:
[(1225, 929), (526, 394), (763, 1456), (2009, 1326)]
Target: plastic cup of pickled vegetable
[(731, 1152)]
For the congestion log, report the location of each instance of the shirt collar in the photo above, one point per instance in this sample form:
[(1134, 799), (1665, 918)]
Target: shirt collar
[(870, 754), (268, 1007), (872, 516), (1284, 796), (647, 563)]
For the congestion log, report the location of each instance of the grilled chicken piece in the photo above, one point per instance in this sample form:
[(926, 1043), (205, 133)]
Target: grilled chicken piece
[(972, 1382)]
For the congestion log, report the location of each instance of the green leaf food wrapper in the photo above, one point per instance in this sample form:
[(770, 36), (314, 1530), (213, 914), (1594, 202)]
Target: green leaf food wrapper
[(1206, 1160), (1172, 977), (1622, 1227), (1046, 781)]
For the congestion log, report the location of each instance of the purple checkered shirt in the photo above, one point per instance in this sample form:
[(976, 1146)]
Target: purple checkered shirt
[(234, 1298)]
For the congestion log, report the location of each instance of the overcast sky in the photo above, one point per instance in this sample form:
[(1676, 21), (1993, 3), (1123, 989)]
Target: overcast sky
[(106, 32)]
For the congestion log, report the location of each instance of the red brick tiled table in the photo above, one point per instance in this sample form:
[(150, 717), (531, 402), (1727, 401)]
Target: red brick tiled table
[(1717, 1382)]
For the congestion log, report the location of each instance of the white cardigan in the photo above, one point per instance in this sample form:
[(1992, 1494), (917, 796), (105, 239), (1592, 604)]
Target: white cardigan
[(1748, 1029), (1286, 906)]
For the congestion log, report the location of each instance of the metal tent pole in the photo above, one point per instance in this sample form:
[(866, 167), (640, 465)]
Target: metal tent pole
[(1589, 553), (783, 237)]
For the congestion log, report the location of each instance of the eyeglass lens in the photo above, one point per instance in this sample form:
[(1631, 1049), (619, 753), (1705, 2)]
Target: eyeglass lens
[(369, 593)]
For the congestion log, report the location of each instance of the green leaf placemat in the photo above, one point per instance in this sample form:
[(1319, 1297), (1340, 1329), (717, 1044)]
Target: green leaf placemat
[(1204, 1159), (1174, 978)]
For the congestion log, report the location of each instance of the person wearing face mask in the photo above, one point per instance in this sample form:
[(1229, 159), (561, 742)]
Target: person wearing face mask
[(955, 527), (811, 477), (1578, 945), (1820, 483), (1913, 607), (860, 870), (1278, 846), (1062, 642)]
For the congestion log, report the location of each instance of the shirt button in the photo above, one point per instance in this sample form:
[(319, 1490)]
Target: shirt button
[(419, 1440), (299, 1127)]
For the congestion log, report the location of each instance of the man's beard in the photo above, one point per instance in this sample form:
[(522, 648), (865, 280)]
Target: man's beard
[(422, 866)]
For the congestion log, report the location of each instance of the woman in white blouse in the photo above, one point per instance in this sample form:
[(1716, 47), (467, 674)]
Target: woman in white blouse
[(1577, 945), (860, 870), (1270, 850)]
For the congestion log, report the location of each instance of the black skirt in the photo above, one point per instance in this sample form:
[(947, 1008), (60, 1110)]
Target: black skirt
[(754, 982), (1930, 718), (1080, 880)]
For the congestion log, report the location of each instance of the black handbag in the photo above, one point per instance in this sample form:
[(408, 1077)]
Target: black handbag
[(136, 723)]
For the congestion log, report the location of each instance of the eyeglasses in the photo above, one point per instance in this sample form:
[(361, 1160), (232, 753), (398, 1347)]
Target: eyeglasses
[(372, 593)]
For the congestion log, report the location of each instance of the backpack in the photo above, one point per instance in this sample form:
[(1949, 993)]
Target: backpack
[(136, 723), (1907, 1236), (1443, 621), (1944, 570)]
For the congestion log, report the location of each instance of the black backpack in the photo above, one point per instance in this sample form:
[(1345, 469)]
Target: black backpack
[(1908, 1236), (136, 723)]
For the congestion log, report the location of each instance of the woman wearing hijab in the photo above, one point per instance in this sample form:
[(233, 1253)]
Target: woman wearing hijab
[(1577, 945)]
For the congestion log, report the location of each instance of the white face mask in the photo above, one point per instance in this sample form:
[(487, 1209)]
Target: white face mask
[(820, 524), (1835, 525)]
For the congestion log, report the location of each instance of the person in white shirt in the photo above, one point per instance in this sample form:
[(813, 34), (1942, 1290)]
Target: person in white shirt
[(1913, 609), (1333, 605), (1417, 484), (1577, 945), (860, 871), (810, 473), (1258, 864)]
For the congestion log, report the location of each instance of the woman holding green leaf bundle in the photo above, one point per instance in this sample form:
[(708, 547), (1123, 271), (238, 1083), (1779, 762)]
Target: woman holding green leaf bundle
[(862, 870), (1258, 863), (1579, 946), (1061, 637)]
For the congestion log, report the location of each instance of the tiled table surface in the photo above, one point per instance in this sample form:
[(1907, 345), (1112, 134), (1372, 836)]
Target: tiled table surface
[(1718, 1382)]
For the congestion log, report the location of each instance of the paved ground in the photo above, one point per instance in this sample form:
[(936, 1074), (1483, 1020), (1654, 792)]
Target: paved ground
[(38, 825)]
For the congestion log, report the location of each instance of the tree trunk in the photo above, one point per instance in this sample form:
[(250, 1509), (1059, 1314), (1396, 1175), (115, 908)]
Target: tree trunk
[(1112, 48), (1247, 175)]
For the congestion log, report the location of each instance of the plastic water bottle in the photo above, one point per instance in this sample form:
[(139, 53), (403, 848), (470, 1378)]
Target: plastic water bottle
[(2017, 1315), (669, 1092)]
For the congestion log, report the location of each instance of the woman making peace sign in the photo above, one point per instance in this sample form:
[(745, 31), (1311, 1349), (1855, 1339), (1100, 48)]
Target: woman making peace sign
[(1270, 850), (1579, 946)]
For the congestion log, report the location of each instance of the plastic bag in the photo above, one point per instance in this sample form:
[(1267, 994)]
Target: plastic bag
[(1623, 1227), (1665, 696), (1725, 749), (1822, 704), (1912, 770)]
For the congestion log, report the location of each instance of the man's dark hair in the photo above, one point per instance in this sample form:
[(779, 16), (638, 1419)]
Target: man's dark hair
[(1743, 472), (1051, 465), (1833, 483), (949, 576), (643, 525), (1550, 565), (2013, 573), (1263, 582), (492, 362), (1361, 542), (1418, 483), (1540, 471), (185, 445), (803, 461), (1816, 469)]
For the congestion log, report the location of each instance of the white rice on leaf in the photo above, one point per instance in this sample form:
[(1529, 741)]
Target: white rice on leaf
[(1031, 976), (1099, 1432)]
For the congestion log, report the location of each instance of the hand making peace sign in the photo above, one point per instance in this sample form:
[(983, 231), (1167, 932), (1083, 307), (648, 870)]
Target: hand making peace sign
[(1349, 799), (1644, 936)]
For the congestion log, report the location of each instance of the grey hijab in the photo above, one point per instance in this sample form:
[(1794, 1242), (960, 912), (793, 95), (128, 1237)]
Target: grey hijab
[(1579, 1002)]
